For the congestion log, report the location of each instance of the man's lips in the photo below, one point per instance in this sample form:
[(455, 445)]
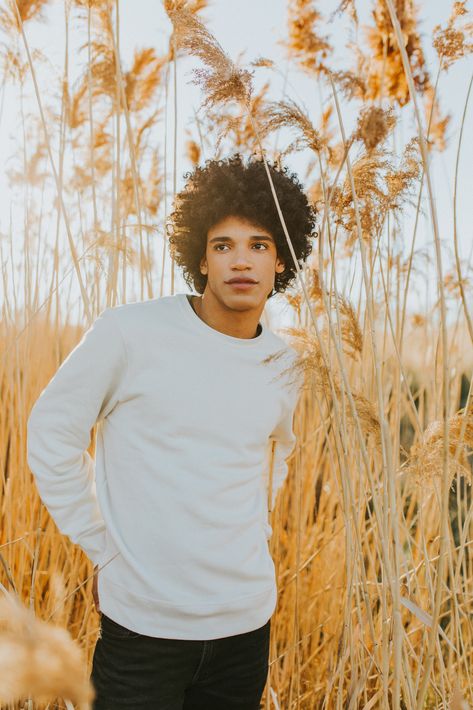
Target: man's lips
[(237, 279), (239, 284)]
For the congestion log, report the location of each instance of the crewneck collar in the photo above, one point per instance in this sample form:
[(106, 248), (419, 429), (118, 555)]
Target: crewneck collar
[(205, 329)]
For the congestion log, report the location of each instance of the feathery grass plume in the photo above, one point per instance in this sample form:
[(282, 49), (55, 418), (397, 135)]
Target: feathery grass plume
[(310, 366), (76, 113), (151, 188), (143, 130), (109, 242), (380, 187), (222, 80), (400, 179), (352, 85), (37, 658), (82, 174), (452, 43), (314, 287), (295, 301), (438, 125), (262, 62), (425, 461), (349, 7), (325, 131), (12, 66), (34, 174), (103, 141), (27, 9), (383, 65), (374, 125), (350, 331), (458, 701), (103, 62), (304, 44), (140, 82), (237, 127), (57, 609), (143, 78), (192, 6), (193, 151), (103, 70), (452, 283), (279, 114), (333, 153), (418, 320), (368, 172), (315, 193), (127, 193), (94, 4)]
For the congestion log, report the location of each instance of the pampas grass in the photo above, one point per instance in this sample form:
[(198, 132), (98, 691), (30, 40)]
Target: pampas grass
[(38, 659)]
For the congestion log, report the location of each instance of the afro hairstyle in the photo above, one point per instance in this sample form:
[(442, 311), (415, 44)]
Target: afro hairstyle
[(229, 187)]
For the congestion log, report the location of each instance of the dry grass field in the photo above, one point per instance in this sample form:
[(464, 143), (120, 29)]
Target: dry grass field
[(373, 529)]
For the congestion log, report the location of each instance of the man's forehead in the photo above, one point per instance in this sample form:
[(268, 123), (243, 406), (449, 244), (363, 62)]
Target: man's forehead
[(233, 226), (256, 237)]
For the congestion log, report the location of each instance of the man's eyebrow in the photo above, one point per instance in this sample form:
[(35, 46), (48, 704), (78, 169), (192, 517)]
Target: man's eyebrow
[(229, 239)]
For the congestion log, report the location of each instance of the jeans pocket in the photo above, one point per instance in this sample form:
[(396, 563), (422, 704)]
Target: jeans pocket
[(115, 630)]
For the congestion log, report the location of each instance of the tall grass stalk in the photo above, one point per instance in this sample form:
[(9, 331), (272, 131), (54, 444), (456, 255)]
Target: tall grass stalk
[(461, 283), (444, 524), (72, 248), (390, 501), (122, 100)]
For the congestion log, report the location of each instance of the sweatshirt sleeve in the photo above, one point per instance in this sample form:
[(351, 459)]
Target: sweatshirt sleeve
[(285, 440), (84, 389)]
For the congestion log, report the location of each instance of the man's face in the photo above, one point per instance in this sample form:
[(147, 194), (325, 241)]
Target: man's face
[(237, 249)]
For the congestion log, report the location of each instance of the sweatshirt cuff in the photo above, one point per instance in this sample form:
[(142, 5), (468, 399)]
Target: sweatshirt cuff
[(93, 544)]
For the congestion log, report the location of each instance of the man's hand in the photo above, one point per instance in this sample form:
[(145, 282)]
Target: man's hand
[(95, 593)]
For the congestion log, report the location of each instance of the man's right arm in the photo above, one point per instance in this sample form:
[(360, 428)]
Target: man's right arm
[(85, 388)]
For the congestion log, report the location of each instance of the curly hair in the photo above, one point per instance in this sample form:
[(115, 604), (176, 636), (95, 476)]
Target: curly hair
[(224, 188)]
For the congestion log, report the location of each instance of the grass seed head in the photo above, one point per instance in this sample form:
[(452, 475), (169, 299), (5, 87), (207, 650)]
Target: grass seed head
[(374, 125), (221, 80), (454, 42), (383, 65), (279, 114), (26, 9), (425, 461), (37, 658), (305, 44)]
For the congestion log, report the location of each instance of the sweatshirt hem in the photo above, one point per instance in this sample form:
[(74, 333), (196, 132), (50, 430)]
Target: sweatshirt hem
[(189, 621)]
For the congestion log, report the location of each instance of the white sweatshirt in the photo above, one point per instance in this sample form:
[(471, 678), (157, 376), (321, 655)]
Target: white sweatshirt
[(175, 503)]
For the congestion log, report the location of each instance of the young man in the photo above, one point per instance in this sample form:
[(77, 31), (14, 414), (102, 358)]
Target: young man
[(174, 510)]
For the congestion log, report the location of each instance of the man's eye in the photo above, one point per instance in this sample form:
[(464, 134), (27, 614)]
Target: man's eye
[(256, 244)]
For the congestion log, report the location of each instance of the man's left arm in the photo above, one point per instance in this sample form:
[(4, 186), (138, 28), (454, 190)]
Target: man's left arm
[(284, 437), (285, 441)]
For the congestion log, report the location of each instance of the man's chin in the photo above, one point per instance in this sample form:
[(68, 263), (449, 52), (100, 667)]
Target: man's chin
[(241, 301)]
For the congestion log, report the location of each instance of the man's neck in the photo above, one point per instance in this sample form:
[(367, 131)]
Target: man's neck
[(236, 330)]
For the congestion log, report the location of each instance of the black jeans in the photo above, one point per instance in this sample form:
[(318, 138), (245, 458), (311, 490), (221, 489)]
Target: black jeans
[(134, 671)]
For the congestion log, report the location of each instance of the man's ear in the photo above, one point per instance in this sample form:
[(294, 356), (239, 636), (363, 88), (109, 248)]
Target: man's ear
[(203, 265), (280, 266)]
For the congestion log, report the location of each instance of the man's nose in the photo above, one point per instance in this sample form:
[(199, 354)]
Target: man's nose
[(241, 259)]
